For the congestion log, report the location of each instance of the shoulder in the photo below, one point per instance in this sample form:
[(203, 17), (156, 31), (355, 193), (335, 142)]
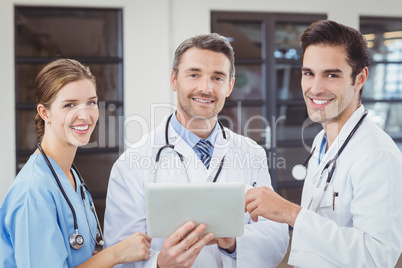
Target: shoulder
[(373, 151), (372, 139), (34, 181), (34, 188)]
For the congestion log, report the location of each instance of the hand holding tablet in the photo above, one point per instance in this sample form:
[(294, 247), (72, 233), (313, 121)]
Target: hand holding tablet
[(220, 206)]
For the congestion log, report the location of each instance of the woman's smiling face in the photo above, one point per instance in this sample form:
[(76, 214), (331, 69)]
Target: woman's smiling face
[(74, 113)]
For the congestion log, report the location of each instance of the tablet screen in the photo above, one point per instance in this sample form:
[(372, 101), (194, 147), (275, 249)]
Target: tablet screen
[(220, 206)]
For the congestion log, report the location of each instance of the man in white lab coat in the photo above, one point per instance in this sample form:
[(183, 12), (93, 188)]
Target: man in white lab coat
[(353, 219), (203, 77)]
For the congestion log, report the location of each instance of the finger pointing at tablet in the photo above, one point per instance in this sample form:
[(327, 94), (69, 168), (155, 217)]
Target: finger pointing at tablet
[(182, 247)]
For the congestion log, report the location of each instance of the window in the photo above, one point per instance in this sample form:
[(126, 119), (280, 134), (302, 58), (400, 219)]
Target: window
[(267, 103), (382, 94), (93, 37)]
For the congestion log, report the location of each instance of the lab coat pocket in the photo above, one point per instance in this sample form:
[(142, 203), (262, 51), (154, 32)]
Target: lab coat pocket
[(321, 198)]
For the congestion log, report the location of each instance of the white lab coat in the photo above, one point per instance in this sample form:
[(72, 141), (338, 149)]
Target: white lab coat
[(362, 226), (264, 243)]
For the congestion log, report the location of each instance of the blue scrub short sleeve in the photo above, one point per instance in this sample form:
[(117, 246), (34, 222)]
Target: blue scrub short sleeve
[(35, 234)]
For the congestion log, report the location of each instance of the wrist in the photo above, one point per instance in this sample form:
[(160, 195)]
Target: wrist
[(109, 256), (293, 213)]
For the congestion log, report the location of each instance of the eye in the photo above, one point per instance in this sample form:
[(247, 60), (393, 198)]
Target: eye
[(332, 75), (69, 105), (218, 78), (307, 73), (193, 75), (92, 103)]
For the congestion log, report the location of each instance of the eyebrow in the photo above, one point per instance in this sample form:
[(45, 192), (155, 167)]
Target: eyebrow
[(327, 71), (333, 71), (199, 70), (91, 98)]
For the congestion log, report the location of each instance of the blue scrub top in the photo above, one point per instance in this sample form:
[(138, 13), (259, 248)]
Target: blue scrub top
[(36, 221)]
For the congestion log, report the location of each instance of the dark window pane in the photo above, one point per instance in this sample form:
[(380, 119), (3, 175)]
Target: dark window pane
[(107, 81), (246, 121), (248, 84), (100, 205), (66, 32), (292, 194), (27, 138), (387, 116), (384, 82), (288, 82), (293, 124), (26, 74), (287, 40), (384, 39), (245, 37), (96, 177), (291, 157)]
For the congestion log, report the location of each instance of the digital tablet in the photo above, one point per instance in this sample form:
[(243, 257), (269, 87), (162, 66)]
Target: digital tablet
[(220, 206)]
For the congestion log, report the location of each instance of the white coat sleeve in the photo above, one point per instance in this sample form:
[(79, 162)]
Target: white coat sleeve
[(264, 243), (375, 239), (125, 207)]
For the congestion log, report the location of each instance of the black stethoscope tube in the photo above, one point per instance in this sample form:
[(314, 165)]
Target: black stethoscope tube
[(333, 160), (76, 240), (60, 186)]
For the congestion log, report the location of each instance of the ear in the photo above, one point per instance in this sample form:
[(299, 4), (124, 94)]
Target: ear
[(231, 85), (173, 80), (361, 79), (43, 112)]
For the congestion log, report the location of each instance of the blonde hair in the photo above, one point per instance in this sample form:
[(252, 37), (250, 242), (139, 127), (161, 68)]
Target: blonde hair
[(51, 79)]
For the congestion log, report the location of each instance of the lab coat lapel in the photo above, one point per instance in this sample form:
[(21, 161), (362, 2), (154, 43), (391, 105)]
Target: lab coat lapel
[(221, 147)]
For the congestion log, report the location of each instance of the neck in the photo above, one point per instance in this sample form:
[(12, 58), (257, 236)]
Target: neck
[(61, 153), (202, 127), (333, 127)]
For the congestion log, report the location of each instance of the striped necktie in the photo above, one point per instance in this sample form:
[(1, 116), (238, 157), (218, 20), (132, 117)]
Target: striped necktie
[(203, 148)]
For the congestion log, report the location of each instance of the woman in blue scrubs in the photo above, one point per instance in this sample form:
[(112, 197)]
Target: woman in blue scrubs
[(36, 220)]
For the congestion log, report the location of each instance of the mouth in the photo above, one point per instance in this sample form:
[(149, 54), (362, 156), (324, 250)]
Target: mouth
[(81, 128), (203, 100), (319, 103)]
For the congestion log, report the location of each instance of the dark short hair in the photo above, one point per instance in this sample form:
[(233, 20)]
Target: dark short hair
[(331, 33), (214, 42)]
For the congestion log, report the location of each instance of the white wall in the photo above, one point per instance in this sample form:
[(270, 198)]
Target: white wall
[(152, 30)]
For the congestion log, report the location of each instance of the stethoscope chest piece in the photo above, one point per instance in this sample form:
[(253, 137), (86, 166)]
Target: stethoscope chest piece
[(299, 172), (76, 240)]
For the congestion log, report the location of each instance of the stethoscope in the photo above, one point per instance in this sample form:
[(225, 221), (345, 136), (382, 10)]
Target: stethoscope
[(76, 240), (299, 172), (181, 157)]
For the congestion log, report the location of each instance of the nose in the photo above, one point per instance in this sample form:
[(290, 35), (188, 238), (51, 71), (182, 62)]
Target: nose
[(83, 114), (206, 86), (314, 85)]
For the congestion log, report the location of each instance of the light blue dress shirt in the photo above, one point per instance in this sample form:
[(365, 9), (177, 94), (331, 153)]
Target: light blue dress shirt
[(322, 148), (193, 139), (36, 221)]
